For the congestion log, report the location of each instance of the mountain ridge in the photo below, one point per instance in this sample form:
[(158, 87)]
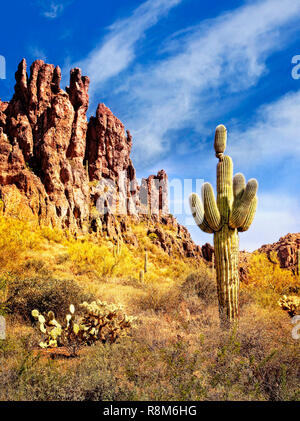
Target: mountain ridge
[(61, 169)]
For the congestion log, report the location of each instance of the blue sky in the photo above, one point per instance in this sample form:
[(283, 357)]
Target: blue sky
[(172, 70)]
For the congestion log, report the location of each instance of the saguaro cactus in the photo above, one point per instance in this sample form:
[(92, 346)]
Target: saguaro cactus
[(233, 212)]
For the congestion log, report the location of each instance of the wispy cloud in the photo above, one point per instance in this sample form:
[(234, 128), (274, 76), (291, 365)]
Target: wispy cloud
[(53, 9), (117, 50), (37, 53), (205, 64), (272, 136)]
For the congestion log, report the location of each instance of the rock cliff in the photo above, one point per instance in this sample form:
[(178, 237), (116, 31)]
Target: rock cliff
[(68, 172)]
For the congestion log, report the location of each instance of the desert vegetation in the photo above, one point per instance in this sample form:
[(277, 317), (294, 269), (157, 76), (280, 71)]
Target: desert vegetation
[(174, 350)]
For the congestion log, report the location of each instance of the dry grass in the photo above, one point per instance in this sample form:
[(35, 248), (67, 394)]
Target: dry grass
[(177, 350)]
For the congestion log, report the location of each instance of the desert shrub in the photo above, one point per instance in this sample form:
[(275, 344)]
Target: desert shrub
[(15, 237), (263, 274), (201, 283), (100, 260), (122, 372), (254, 363), (62, 258), (158, 299), (53, 234), (45, 294), (36, 265), (249, 367)]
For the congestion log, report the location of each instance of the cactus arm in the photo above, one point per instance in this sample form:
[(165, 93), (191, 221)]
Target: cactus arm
[(198, 213), (224, 187), (239, 185), (211, 210), (250, 216), (241, 207)]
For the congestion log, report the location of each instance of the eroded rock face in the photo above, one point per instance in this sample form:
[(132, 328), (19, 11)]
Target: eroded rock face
[(207, 252), (286, 249), (57, 167), (42, 123)]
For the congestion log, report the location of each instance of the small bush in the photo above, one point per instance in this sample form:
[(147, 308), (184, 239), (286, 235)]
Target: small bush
[(53, 234), (44, 294), (202, 284), (270, 277), (15, 238), (158, 299), (62, 258), (37, 265)]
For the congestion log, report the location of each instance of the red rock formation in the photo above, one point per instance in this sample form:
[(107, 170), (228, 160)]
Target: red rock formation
[(153, 194), (286, 249), (108, 148), (207, 252), (56, 166), (46, 127)]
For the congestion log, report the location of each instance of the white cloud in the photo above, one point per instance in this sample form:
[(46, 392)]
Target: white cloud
[(37, 53), (207, 63), (273, 136), (53, 9), (117, 50)]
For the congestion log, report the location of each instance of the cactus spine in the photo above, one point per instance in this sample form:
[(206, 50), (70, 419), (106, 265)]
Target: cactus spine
[(298, 262), (232, 212)]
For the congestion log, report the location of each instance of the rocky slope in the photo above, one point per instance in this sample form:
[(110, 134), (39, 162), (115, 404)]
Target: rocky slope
[(68, 172)]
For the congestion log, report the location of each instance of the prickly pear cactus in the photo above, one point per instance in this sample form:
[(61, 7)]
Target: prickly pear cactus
[(101, 321), (232, 212)]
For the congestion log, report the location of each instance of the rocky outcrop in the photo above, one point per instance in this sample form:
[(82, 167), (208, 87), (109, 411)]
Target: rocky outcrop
[(65, 171), (286, 249), (207, 252), (43, 145)]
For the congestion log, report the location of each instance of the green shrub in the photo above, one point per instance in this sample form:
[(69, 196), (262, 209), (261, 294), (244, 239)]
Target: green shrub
[(45, 294)]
